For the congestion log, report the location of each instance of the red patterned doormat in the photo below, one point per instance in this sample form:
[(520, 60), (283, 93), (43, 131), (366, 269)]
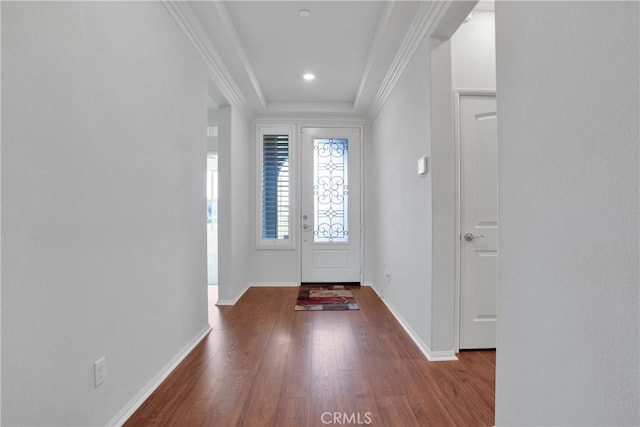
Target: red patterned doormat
[(325, 298)]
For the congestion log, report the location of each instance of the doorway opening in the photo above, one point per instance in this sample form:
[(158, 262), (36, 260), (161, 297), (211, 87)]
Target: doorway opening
[(473, 80), (212, 219), (331, 206)]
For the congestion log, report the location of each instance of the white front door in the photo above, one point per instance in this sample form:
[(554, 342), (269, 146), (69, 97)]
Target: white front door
[(330, 194), (478, 220)]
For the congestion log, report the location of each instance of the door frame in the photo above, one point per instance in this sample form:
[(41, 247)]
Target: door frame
[(457, 95), (299, 189)]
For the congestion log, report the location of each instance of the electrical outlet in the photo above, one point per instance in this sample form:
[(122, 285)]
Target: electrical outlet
[(99, 371)]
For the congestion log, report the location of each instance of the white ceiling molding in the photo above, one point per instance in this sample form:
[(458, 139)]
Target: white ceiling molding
[(381, 29), (189, 25), (310, 107), (305, 120), (213, 33), (428, 15), (311, 112), (240, 51)]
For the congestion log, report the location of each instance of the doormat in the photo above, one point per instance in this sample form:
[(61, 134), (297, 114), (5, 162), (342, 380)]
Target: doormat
[(325, 298)]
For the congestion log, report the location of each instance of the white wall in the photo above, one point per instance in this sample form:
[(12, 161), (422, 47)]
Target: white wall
[(398, 200), (442, 169), (222, 118), (242, 138), (568, 83), (410, 225), (473, 53), (369, 237), (212, 120), (235, 189), (103, 226)]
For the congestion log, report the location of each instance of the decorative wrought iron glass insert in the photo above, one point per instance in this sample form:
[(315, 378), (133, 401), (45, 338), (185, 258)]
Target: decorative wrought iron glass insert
[(331, 190), (275, 187)]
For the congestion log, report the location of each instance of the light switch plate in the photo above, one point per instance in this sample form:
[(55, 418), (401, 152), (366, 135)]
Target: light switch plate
[(422, 165)]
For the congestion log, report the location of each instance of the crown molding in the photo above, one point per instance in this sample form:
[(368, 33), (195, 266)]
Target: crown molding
[(381, 29), (239, 48), (188, 24), (429, 14)]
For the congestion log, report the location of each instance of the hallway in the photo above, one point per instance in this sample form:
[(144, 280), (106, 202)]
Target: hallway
[(265, 364), (107, 108)]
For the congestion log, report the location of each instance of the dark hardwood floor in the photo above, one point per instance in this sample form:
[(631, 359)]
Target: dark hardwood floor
[(266, 364)]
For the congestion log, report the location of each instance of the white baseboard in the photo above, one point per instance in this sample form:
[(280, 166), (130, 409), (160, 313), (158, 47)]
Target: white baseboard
[(257, 285), (225, 302), (370, 284), (432, 356), (232, 301), (275, 284), (125, 413), (441, 356)]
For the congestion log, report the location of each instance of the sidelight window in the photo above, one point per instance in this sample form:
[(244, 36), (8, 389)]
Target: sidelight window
[(275, 201)]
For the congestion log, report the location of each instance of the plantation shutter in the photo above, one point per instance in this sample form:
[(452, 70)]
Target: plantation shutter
[(275, 187)]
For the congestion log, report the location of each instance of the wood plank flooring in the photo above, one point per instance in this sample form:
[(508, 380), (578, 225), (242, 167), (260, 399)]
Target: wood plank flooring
[(264, 364)]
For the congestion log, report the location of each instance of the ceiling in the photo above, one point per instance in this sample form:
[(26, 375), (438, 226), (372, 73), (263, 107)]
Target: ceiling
[(259, 51)]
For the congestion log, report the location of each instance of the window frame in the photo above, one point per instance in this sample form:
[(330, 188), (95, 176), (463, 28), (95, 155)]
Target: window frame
[(266, 243)]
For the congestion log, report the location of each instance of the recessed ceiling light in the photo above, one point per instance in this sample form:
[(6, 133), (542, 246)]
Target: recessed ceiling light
[(308, 76), (304, 13)]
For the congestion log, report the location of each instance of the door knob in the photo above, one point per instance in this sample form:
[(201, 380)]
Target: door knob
[(469, 236), (305, 226)]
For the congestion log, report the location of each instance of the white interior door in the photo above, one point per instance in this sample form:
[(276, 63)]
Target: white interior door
[(330, 215), (478, 221)]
